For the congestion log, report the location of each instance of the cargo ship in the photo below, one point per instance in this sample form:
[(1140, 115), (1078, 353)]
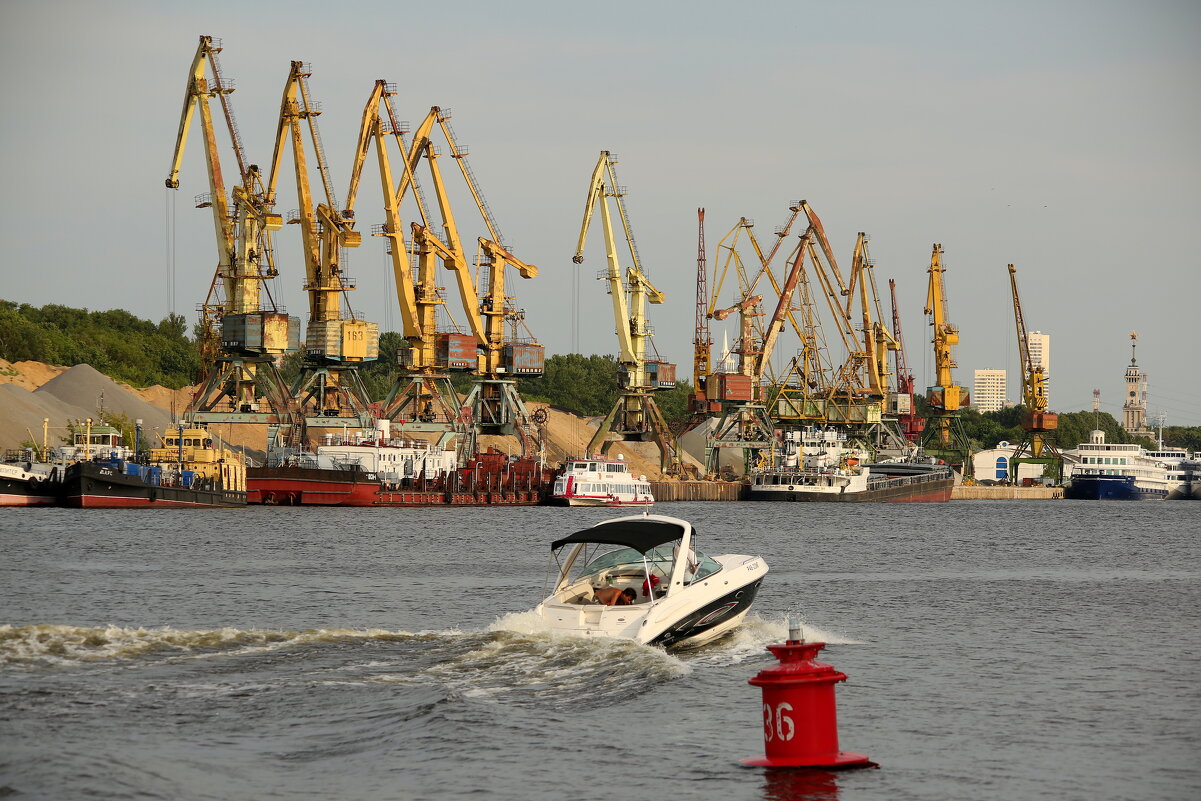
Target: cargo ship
[(385, 470), (187, 470), (819, 465)]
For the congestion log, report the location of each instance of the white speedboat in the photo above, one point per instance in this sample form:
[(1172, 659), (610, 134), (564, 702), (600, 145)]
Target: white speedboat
[(670, 592)]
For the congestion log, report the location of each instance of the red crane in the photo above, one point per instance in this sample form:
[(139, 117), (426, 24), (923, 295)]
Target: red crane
[(702, 340), (911, 425)]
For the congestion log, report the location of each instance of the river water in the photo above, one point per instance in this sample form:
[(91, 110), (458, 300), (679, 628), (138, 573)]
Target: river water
[(996, 650)]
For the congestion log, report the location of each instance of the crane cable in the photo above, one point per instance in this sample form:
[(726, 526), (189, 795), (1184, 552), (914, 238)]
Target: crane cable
[(169, 237)]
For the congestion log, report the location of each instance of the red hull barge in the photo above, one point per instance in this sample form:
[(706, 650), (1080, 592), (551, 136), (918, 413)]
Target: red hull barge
[(488, 479), (310, 486)]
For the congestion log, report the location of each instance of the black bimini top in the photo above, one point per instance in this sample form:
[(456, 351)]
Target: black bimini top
[(641, 535)]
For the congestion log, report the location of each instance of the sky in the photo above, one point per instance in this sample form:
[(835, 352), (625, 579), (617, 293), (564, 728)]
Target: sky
[(1060, 137)]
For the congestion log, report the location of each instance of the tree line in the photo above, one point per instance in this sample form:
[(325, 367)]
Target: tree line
[(114, 342), (142, 353)]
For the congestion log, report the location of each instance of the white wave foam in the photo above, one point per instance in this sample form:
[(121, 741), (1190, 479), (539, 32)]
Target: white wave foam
[(64, 644)]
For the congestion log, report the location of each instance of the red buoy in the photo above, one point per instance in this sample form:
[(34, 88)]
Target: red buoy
[(800, 723)]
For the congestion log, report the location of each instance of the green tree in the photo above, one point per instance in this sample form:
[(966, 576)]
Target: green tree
[(585, 384)]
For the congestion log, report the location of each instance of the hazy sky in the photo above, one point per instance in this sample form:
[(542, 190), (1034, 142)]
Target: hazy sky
[(1059, 136)]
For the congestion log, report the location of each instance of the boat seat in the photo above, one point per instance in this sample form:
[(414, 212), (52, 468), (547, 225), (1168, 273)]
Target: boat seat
[(583, 597)]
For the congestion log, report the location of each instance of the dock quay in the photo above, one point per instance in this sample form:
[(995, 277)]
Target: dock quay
[(962, 493), (697, 490)]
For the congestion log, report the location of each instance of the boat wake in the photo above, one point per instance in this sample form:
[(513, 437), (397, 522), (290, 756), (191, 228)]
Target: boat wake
[(513, 662), (54, 644)]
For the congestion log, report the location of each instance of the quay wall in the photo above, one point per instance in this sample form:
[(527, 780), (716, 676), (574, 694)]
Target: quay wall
[(697, 490), (961, 493), (735, 491)]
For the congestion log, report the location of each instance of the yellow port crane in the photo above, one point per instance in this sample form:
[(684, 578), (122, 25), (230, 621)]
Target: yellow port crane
[(944, 435), (242, 330), (1038, 425), (635, 416), (422, 397), (495, 357), (328, 389)]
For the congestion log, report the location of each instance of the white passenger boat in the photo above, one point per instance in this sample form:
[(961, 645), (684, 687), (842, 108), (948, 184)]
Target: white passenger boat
[(1180, 481), (1100, 470), (664, 592), (598, 481)]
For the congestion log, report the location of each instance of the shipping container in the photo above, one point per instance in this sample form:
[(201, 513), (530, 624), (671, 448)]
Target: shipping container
[(260, 332), (730, 387), (360, 340), (1044, 421), (456, 351), (661, 375), (343, 340), (524, 359)]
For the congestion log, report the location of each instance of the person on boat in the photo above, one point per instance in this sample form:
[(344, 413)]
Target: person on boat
[(611, 596)]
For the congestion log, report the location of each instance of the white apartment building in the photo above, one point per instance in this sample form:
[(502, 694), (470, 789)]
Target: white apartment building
[(989, 391)]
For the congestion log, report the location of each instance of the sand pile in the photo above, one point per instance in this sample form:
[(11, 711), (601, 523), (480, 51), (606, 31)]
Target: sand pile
[(86, 387), (22, 412), (27, 375), (67, 394), (64, 394)]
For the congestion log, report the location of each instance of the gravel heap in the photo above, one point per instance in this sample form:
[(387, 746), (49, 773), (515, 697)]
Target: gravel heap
[(75, 394)]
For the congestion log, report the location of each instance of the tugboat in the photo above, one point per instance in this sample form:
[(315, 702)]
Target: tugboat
[(188, 470), (22, 485)]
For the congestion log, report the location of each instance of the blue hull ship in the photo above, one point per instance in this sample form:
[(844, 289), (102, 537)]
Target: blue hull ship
[(1110, 488)]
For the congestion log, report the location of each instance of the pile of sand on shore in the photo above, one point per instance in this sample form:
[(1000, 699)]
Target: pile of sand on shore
[(31, 391)]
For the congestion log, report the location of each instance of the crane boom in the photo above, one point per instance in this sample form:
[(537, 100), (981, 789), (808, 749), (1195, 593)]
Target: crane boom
[(776, 324)]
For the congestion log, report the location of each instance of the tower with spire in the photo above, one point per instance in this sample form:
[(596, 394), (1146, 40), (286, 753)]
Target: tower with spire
[(1134, 410)]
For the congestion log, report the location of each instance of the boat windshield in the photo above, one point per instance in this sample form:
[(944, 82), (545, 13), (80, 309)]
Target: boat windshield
[(660, 561)]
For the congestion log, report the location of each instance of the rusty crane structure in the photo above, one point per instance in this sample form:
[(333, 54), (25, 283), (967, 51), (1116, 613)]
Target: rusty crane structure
[(1038, 425), (243, 331), (635, 416)]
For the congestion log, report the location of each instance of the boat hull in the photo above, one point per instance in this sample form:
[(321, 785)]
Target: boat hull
[(1110, 488), (309, 486), (87, 485), (24, 496), (712, 620), (561, 500), (26, 489)]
